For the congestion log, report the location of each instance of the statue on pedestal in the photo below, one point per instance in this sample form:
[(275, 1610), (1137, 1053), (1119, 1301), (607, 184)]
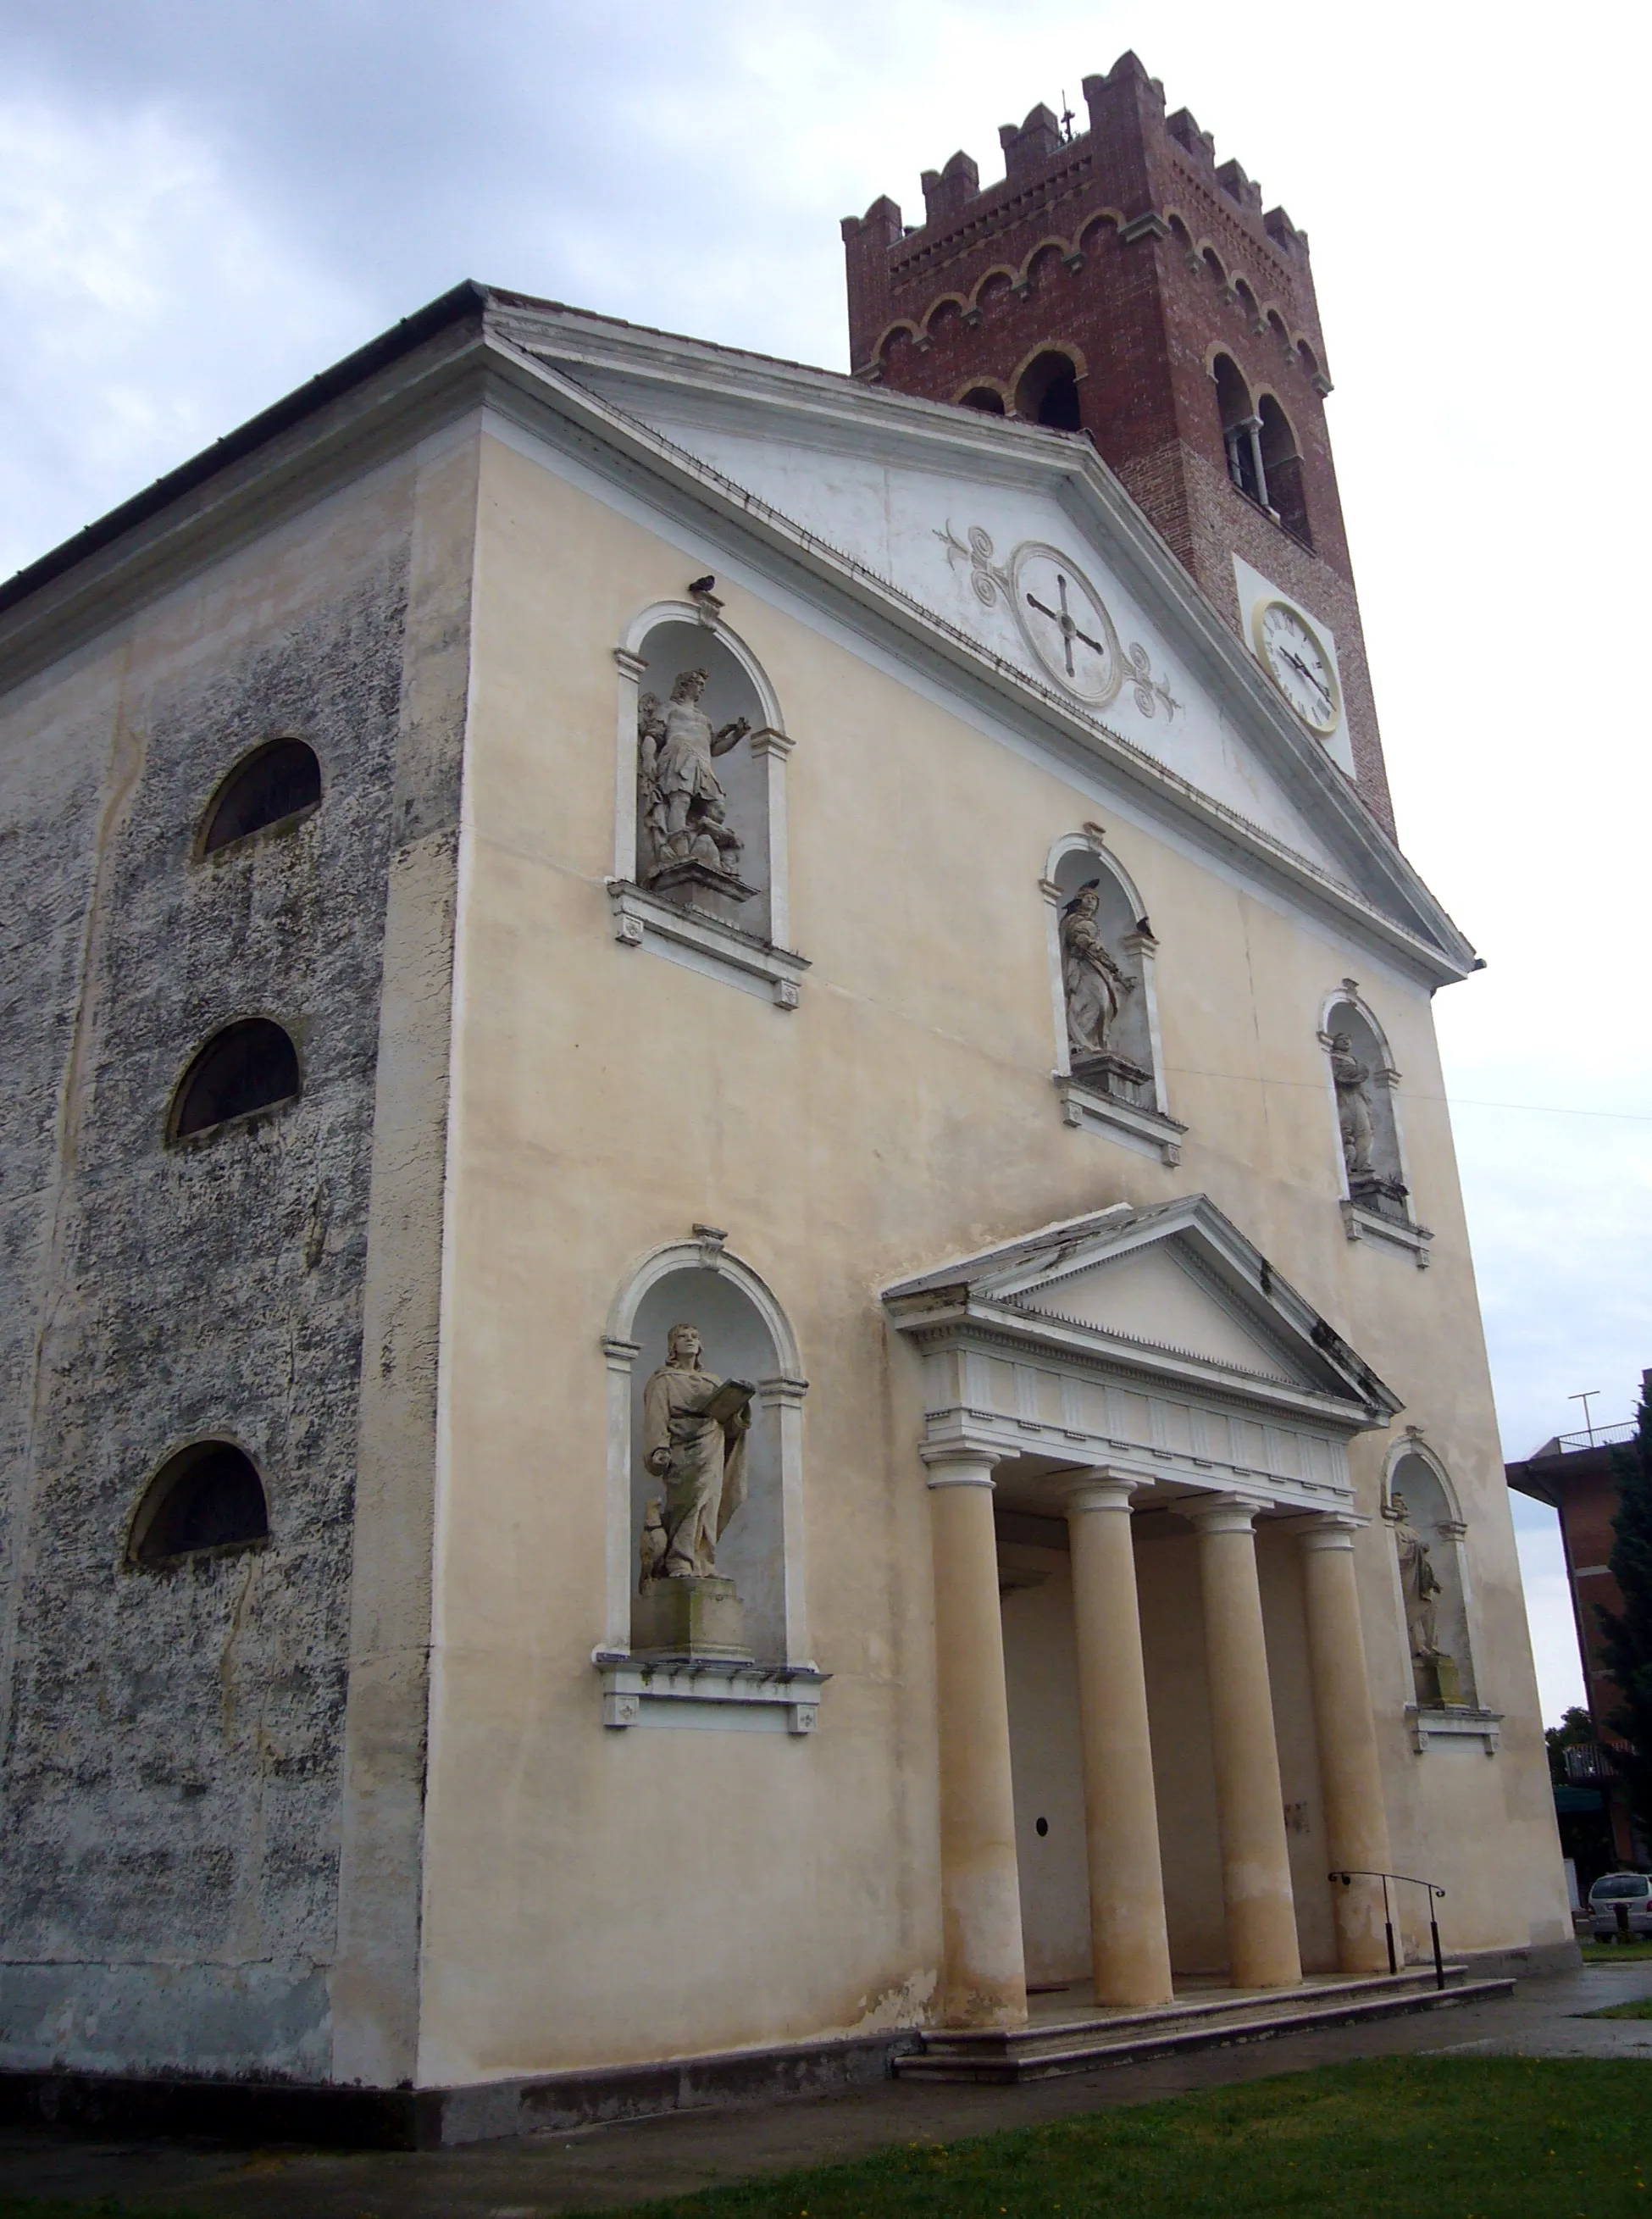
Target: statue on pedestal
[(1434, 1667), (1096, 989), (694, 1429), (685, 841), (1367, 1182), (1353, 1079)]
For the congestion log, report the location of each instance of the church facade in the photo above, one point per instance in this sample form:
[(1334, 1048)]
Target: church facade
[(747, 1320)]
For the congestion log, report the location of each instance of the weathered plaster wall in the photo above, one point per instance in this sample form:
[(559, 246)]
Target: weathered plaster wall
[(169, 1872), (593, 1895)]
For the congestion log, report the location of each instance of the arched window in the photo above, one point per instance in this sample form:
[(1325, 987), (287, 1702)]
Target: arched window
[(984, 398), (1047, 393), (251, 1064), (272, 786), (207, 1497), (1241, 426), (1281, 467)]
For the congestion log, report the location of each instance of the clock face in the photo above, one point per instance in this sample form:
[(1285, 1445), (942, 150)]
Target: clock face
[(1299, 664), (1064, 621)]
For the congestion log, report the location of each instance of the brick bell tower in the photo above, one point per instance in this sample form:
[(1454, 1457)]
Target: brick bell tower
[(1119, 283)]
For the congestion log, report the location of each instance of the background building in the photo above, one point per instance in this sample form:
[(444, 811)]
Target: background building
[(1574, 1473)]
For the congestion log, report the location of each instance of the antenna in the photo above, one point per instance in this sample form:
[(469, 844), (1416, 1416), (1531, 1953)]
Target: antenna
[(1585, 1398), (1066, 117)]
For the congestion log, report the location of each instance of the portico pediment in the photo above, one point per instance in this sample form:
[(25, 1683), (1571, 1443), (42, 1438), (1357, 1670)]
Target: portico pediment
[(1157, 1341)]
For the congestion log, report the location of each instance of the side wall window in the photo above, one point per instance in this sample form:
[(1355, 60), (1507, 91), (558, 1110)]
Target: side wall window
[(207, 1498), (277, 784), (249, 1066)]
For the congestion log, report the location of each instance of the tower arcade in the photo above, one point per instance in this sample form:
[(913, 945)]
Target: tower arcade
[(1119, 283)]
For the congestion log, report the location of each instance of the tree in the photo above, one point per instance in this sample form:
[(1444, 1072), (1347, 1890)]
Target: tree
[(1576, 1727), (1626, 1650)]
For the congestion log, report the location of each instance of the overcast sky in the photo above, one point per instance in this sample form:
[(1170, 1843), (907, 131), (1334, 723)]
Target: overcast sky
[(202, 205)]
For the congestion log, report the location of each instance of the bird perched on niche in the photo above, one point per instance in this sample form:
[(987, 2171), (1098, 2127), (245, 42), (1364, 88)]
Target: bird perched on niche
[(704, 584)]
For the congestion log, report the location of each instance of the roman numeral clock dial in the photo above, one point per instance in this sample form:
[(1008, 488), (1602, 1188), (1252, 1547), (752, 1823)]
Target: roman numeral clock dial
[(1299, 664)]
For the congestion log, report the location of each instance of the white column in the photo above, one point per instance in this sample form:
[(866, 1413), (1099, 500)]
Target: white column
[(1129, 1945), (1350, 1775), (771, 748), (1256, 1857), (632, 670), (780, 1412), (984, 1971)]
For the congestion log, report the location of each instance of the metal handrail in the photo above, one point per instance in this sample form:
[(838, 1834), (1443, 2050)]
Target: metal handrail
[(1404, 1880)]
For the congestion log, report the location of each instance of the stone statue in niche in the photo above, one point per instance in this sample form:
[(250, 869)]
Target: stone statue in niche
[(694, 1428), (1352, 1081), (687, 844), (1433, 1668), (1095, 988)]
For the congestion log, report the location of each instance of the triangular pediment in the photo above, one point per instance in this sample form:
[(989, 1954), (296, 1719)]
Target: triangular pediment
[(1155, 1295), (974, 522), (1175, 1288)]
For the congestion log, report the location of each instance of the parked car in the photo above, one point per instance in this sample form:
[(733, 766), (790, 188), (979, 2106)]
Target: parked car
[(1633, 1891)]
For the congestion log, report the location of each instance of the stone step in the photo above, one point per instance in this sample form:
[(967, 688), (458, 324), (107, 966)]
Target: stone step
[(1080, 2043)]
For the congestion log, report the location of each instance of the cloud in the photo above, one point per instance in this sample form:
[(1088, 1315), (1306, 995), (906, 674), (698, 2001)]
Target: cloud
[(200, 205)]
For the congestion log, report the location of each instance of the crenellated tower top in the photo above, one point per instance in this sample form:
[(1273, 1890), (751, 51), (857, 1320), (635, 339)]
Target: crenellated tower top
[(1122, 282)]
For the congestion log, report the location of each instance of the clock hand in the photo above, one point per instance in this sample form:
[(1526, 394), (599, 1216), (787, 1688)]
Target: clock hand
[(1316, 682)]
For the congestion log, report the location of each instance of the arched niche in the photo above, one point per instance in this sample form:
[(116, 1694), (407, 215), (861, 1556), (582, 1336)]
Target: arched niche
[(1362, 1084), (1416, 1479), (1109, 1059), (701, 820), (745, 1335)]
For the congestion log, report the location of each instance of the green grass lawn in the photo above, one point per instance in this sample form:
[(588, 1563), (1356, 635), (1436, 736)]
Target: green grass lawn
[(1387, 2138), (1641, 2009), (1616, 1953)]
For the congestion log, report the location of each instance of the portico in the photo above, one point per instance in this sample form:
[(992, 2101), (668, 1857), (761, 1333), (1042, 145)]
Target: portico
[(1133, 1371)]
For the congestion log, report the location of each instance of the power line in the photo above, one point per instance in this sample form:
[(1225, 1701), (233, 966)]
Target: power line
[(1451, 1101)]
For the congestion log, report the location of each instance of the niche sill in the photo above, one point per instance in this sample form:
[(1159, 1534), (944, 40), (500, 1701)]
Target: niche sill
[(705, 943), (1453, 1722), (1149, 1130), (706, 1692), (1361, 1224)]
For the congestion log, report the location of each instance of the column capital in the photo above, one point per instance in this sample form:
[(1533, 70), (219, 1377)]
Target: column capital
[(633, 666), (1099, 1487), (1325, 1529), (960, 1464), (765, 741), (1222, 1514)]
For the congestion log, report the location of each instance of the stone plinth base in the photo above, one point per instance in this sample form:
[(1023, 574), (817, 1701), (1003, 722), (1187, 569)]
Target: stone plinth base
[(1114, 1075), (701, 886), (689, 1618), (1438, 1681)]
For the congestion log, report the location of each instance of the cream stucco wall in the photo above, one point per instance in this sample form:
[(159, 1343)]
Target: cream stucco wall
[(592, 1895)]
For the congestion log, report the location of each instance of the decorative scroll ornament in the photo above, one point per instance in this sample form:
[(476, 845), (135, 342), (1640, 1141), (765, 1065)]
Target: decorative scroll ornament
[(1062, 619)]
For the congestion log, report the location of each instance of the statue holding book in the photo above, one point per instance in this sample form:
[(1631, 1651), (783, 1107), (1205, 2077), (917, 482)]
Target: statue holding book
[(694, 1428)]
